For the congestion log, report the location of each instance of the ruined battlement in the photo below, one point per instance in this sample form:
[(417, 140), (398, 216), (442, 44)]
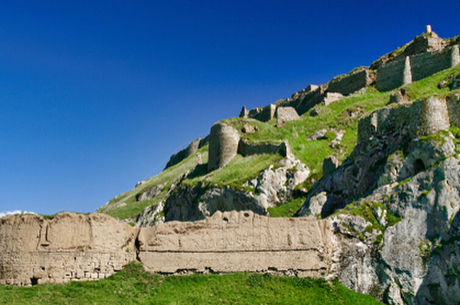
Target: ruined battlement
[(426, 55), (413, 119)]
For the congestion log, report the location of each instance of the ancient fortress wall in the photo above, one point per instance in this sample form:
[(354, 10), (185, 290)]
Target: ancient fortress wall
[(191, 149), (247, 149), (416, 119), (238, 241), (350, 83), (223, 145), (89, 247), (426, 64), (393, 75), (68, 247)]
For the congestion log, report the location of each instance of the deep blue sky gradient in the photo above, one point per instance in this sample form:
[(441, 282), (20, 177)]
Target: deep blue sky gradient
[(96, 95)]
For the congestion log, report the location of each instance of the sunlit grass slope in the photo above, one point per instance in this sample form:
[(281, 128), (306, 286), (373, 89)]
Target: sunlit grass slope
[(335, 116), (135, 286)]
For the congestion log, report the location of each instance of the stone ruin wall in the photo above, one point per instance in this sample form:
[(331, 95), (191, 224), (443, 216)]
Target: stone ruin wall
[(89, 247), (68, 247), (190, 150), (413, 68), (393, 75), (223, 145), (236, 242), (426, 64), (351, 83), (414, 119)]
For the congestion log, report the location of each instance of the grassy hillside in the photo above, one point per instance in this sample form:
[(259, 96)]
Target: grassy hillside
[(134, 286), (334, 117)]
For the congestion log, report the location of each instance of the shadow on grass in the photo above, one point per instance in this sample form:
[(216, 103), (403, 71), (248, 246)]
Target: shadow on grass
[(200, 170)]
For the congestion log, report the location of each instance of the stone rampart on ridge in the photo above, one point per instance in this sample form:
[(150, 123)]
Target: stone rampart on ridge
[(394, 74), (426, 64), (351, 82), (415, 119), (69, 247)]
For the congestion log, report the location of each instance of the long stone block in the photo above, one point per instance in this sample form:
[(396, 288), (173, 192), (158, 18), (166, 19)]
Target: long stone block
[(237, 241)]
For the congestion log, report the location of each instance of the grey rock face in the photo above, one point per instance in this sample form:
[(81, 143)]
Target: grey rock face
[(151, 192), (273, 186), (403, 181), (150, 216), (330, 164)]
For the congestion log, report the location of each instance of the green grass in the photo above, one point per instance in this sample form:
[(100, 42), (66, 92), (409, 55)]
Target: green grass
[(366, 211), (135, 286), (239, 170), (131, 210), (287, 210), (310, 152)]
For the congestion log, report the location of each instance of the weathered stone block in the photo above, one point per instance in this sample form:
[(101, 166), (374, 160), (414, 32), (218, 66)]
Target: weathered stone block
[(286, 114), (351, 82), (237, 241), (331, 97)]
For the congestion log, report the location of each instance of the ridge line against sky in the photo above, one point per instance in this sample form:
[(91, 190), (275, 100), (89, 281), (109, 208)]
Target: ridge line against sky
[(96, 96)]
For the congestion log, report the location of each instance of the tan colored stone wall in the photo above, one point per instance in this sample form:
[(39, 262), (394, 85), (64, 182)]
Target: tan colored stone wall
[(238, 241), (89, 247), (68, 247)]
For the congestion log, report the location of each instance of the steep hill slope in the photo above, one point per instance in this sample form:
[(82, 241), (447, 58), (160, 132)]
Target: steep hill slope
[(374, 151)]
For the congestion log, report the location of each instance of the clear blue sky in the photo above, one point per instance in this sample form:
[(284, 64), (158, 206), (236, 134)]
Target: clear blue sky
[(96, 95)]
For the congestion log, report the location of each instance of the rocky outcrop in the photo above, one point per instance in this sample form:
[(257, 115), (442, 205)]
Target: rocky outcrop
[(330, 164), (151, 216), (402, 185), (152, 192), (273, 187), (382, 136)]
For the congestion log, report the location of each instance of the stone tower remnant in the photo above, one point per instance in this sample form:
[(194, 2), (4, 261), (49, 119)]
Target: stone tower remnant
[(223, 145)]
